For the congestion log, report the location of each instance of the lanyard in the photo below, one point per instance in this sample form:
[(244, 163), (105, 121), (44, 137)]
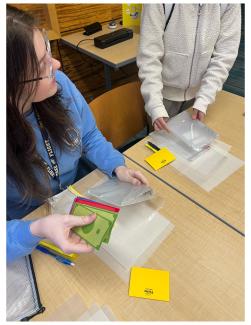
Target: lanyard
[(54, 170)]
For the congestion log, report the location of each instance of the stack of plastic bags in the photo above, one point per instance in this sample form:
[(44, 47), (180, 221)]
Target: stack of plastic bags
[(199, 154), (139, 228)]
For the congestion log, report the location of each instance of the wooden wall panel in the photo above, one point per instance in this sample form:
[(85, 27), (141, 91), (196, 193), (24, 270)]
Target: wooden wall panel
[(85, 72), (74, 16), (37, 10)]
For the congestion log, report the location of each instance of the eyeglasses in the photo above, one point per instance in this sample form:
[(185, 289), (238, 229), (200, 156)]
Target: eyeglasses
[(48, 59)]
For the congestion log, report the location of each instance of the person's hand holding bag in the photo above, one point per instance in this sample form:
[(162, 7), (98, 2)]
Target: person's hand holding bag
[(125, 174)]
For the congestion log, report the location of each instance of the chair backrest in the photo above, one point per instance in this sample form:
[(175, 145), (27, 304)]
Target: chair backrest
[(120, 113)]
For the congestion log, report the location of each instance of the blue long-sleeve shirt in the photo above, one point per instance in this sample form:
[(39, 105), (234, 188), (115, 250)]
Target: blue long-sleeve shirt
[(91, 144)]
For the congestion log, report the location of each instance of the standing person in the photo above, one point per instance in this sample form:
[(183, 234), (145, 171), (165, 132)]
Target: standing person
[(184, 57), (49, 128)]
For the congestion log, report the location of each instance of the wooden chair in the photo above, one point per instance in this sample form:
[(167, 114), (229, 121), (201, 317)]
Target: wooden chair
[(120, 113)]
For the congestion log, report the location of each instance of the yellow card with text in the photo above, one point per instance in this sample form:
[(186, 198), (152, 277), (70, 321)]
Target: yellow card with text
[(160, 158), (149, 284)]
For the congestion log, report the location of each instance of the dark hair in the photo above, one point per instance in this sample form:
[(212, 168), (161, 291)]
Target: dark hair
[(24, 166)]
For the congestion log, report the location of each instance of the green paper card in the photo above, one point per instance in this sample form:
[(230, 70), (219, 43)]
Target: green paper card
[(95, 232), (108, 215)]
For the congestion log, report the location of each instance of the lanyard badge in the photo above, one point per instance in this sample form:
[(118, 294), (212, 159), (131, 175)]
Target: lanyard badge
[(54, 170)]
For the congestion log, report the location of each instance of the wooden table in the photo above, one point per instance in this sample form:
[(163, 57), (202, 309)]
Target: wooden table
[(226, 201), (115, 56), (205, 259)]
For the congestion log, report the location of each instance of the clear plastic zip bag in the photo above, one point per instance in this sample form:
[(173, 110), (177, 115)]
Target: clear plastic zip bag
[(74, 309), (193, 133), (139, 229), (211, 168), (98, 314), (61, 203), (180, 149), (137, 233), (120, 193)]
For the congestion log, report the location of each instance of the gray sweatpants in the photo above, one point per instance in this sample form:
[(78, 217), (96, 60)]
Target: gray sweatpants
[(173, 108)]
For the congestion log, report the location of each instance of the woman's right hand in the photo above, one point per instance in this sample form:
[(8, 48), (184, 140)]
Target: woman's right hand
[(160, 124), (57, 228)]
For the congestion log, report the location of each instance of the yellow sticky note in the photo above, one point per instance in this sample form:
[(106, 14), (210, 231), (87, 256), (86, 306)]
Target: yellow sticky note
[(149, 283), (160, 158)]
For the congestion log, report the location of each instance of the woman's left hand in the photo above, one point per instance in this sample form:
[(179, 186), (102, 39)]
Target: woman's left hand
[(128, 175)]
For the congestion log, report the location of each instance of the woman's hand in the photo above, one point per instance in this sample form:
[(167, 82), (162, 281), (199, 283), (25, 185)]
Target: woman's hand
[(57, 228), (160, 124), (128, 175), (198, 115)]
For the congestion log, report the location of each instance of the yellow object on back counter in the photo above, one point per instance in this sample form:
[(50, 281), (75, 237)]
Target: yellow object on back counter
[(160, 158), (131, 14), (149, 284)]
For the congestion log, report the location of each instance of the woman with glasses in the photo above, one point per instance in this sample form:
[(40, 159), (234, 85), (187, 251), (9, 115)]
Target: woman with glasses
[(49, 128)]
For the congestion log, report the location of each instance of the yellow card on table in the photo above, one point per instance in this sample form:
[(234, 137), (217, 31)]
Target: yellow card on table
[(160, 158), (149, 283)]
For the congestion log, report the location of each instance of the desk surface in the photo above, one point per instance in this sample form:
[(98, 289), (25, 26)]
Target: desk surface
[(205, 259), (226, 200), (115, 56)]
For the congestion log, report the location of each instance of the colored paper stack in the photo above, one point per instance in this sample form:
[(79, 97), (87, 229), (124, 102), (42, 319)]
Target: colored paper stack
[(100, 230)]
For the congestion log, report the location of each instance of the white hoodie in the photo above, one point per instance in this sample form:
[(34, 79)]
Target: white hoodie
[(191, 59)]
